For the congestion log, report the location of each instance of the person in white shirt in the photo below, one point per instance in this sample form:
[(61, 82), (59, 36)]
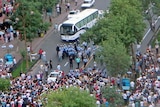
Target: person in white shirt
[(125, 98), (14, 61), (28, 49), (133, 104), (141, 103), (58, 67), (132, 84), (98, 103)]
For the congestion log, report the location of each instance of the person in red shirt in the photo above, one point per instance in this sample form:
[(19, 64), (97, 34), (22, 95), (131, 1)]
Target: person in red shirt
[(40, 53)]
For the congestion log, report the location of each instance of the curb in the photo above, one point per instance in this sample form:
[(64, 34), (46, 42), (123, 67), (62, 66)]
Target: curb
[(51, 29)]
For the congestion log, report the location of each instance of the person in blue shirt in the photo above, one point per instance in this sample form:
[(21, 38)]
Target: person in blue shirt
[(107, 104), (3, 103)]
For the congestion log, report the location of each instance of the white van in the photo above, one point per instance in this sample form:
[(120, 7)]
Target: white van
[(87, 3)]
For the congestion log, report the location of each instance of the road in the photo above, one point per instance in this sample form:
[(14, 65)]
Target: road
[(51, 41), (147, 37)]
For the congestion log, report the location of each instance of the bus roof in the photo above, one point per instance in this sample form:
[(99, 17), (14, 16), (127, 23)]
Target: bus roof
[(80, 16)]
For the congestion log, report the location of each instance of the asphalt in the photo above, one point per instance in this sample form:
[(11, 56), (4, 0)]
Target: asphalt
[(36, 43)]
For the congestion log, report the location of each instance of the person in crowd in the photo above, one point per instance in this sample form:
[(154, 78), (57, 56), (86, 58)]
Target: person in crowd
[(58, 67), (60, 55), (57, 49), (76, 2), (50, 64), (85, 60), (28, 49), (46, 69), (78, 61), (157, 48), (71, 61), (40, 53), (14, 61)]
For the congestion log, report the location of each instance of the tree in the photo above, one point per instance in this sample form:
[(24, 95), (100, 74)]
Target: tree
[(48, 5), (71, 97), (29, 21), (132, 26), (151, 9), (125, 19), (115, 56), (113, 97), (29, 18), (4, 84)]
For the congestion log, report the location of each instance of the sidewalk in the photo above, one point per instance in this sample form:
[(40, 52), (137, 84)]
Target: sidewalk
[(19, 45)]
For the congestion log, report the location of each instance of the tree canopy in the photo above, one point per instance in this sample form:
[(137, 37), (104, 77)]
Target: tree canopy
[(28, 18), (69, 97), (112, 95), (124, 19), (4, 84), (115, 56), (117, 32), (151, 9)]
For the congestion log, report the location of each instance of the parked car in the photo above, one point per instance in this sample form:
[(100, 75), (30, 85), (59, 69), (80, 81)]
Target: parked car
[(54, 75), (87, 3), (73, 13)]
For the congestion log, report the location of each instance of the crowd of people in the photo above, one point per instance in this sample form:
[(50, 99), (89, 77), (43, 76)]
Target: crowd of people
[(145, 91), (80, 52), (26, 89), (7, 32)]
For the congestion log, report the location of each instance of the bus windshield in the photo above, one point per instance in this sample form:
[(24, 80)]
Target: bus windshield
[(66, 29)]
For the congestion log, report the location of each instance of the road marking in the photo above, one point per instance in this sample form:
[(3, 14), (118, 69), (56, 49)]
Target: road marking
[(87, 62), (146, 34), (150, 29), (66, 64)]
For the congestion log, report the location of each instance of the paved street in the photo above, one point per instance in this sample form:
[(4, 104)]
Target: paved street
[(148, 36), (50, 42)]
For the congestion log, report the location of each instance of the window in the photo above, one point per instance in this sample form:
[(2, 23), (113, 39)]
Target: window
[(95, 15), (85, 20), (66, 29), (78, 25), (81, 23)]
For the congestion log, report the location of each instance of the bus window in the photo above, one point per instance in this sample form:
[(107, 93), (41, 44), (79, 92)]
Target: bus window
[(95, 15), (85, 20), (66, 29), (81, 23)]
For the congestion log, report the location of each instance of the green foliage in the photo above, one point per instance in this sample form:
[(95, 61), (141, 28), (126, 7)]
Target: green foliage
[(71, 97), (4, 84), (44, 26), (49, 4), (29, 18), (132, 26), (23, 53), (151, 9), (115, 56), (113, 97), (125, 21), (21, 68)]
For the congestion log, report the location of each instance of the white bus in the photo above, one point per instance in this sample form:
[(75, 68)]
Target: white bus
[(72, 28)]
